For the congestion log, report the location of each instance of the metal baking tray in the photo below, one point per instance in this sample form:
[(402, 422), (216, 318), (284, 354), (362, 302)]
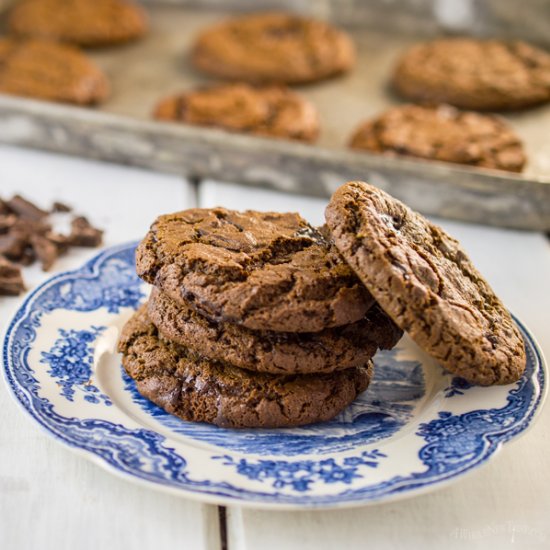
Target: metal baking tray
[(122, 131)]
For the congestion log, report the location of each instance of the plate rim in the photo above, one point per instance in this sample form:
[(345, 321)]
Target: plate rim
[(199, 495)]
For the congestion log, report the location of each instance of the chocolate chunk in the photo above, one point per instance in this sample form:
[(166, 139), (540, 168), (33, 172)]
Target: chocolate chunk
[(61, 241), (11, 280), (12, 245), (25, 209), (84, 234), (26, 236), (4, 208), (46, 251), (7, 221), (61, 207)]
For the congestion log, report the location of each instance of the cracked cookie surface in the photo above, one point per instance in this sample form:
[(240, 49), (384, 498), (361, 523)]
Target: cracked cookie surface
[(442, 133), (263, 270), (200, 390), (276, 352), (47, 70), (271, 111), (273, 48), (84, 22), (490, 75), (423, 279)]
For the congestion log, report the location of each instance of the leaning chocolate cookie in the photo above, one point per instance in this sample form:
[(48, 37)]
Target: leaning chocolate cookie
[(262, 270), (272, 111), (482, 75), (201, 390), (442, 133), (273, 48), (423, 279), (276, 352)]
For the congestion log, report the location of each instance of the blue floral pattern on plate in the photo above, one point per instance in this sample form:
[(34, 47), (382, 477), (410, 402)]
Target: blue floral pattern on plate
[(71, 361), (406, 433)]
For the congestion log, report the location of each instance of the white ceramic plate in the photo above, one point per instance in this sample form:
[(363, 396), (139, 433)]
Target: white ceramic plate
[(416, 427)]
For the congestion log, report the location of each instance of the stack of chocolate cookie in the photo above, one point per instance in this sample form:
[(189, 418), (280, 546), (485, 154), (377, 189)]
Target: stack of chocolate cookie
[(254, 320)]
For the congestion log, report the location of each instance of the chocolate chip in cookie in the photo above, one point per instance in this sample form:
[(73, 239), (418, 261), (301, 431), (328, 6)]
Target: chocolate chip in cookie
[(423, 279)]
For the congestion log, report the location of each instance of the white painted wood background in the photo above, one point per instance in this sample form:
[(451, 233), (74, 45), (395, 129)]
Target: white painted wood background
[(52, 499)]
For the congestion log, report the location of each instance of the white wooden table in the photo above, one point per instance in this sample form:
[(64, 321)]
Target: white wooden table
[(52, 499)]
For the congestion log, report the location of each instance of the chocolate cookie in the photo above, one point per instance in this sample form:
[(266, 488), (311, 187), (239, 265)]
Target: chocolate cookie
[(263, 270), (483, 75), (47, 70), (442, 133), (273, 47), (200, 390), (276, 352), (82, 22), (426, 283), (272, 111)]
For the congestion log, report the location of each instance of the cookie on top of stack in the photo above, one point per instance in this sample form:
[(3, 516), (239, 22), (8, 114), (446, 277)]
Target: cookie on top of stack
[(254, 321)]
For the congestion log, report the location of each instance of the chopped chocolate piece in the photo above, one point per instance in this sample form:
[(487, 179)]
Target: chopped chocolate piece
[(11, 280), (26, 235), (61, 241), (61, 207), (7, 221), (12, 245), (27, 227), (25, 209), (4, 207), (46, 251), (84, 234), (28, 256)]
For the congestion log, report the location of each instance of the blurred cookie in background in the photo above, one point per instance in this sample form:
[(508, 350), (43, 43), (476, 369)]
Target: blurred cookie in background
[(273, 48), (47, 70), (482, 75), (272, 111), (88, 23), (442, 133)]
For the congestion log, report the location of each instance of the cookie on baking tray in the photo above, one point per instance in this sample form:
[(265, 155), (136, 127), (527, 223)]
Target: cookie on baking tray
[(47, 70), (272, 111), (475, 74), (442, 133), (197, 389), (262, 270), (273, 48), (423, 279), (276, 352), (87, 23)]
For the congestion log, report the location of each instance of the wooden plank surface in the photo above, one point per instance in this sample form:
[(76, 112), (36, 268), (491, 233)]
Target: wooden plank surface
[(506, 504), (49, 497)]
